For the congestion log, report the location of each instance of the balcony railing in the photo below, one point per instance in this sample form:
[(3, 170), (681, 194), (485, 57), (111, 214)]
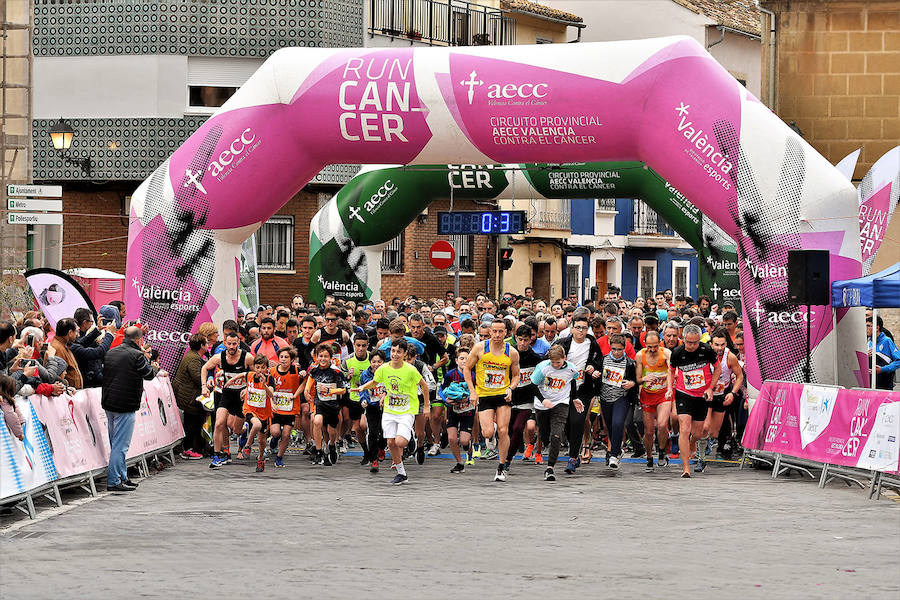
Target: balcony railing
[(450, 23), (606, 204), (550, 214), (646, 222)]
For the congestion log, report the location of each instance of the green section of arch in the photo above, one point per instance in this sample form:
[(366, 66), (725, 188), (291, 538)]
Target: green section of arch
[(376, 206)]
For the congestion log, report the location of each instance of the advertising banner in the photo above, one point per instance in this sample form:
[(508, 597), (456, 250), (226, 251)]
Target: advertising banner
[(248, 297), (25, 464), (879, 192), (852, 428), (57, 294)]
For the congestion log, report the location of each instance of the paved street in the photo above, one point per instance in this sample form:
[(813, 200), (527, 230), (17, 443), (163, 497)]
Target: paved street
[(341, 532)]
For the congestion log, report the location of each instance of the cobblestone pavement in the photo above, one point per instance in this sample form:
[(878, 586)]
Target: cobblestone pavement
[(341, 532)]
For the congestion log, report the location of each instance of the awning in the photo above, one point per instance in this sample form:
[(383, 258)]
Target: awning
[(879, 290)]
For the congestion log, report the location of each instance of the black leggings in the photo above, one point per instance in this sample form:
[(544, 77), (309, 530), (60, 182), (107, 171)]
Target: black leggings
[(193, 432), (517, 431), (551, 424), (575, 428), (376, 440), (614, 415)]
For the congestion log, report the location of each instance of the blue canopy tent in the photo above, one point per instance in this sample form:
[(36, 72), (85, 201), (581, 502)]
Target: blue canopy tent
[(879, 290)]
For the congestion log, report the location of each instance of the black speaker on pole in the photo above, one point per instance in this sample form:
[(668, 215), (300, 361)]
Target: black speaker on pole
[(808, 277)]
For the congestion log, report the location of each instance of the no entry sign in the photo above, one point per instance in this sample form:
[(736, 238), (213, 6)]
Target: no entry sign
[(442, 254)]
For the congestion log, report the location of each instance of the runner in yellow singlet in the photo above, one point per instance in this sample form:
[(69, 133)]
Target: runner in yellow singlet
[(496, 366)]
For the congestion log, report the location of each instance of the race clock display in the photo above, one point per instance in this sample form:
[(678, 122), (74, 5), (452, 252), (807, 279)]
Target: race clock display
[(481, 222)]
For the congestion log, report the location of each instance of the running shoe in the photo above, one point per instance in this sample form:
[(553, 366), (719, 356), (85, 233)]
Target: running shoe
[(260, 465), (685, 475), (548, 474), (662, 460), (489, 454), (529, 452), (469, 459), (268, 452), (310, 448), (577, 461), (364, 461), (217, 462), (333, 454), (412, 446), (538, 458), (614, 462), (374, 467), (501, 474), (476, 453), (400, 479), (227, 458), (434, 450), (570, 467), (711, 447), (649, 463), (459, 468), (242, 439), (699, 466), (381, 454), (325, 459), (279, 462), (420, 455), (506, 469), (638, 453), (191, 455)]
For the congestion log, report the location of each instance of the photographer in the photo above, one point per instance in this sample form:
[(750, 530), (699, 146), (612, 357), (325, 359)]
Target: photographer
[(88, 354), (35, 363), (66, 332)]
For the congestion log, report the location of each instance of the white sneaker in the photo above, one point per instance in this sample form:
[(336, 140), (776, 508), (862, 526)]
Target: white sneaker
[(613, 462), (434, 450), (501, 474)]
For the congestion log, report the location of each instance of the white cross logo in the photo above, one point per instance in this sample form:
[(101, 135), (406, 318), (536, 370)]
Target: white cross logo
[(715, 289), (471, 83), (683, 109), (758, 310), (354, 214), (192, 178)]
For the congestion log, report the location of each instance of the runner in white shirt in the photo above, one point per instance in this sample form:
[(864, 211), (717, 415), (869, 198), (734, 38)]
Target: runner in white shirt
[(553, 378)]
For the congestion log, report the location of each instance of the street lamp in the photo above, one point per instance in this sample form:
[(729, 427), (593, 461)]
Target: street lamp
[(62, 134)]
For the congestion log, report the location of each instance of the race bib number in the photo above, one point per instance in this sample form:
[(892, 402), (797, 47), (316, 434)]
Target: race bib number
[(525, 375), (580, 379), (555, 383), (494, 379), (256, 398), (398, 402), (613, 376), (693, 380), (655, 383), (283, 401), (324, 389), (719, 388)]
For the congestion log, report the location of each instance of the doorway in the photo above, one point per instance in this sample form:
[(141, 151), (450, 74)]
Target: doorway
[(540, 281), (600, 278)]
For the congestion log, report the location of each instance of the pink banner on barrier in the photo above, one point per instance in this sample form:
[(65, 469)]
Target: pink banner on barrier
[(853, 428), (77, 426)]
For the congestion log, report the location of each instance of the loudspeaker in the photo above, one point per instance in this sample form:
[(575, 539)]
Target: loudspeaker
[(808, 277)]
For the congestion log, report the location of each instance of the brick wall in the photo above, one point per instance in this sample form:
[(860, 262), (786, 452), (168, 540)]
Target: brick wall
[(275, 288), (93, 234), (838, 75)]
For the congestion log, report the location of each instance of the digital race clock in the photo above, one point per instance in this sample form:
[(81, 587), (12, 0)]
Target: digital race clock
[(481, 222)]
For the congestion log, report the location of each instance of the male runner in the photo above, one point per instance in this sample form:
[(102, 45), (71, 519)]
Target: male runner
[(652, 368), (401, 381), (523, 395), (229, 407), (496, 367), (331, 332), (353, 411), (693, 370), (725, 390)]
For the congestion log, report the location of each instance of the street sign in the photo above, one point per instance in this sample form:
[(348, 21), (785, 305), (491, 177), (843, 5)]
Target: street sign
[(34, 219), (41, 191), (442, 254), (31, 204)]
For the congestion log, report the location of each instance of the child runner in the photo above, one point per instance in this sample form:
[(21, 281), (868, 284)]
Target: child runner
[(553, 378), (617, 378), (354, 412), (461, 415), (257, 407), (285, 400), (402, 382), (412, 357), (324, 384), (372, 400)]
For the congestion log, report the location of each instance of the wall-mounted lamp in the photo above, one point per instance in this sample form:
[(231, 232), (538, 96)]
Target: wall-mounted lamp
[(62, 134)]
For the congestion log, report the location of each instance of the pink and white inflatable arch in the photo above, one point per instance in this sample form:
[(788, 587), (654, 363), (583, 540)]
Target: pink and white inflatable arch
[(663, 101)]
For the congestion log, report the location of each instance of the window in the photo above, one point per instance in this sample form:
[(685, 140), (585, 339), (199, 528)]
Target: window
[(275, 244), (681, 277), (646, 278), (606, 204), (209, 96), (392, 256), (464, 245), (573, 280)]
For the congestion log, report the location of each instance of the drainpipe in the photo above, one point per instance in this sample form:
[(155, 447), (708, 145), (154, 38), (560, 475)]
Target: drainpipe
[(770, 63), (718, 41)]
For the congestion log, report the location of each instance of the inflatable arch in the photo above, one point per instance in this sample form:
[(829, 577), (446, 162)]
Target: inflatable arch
[(665, 102), (349, 232)]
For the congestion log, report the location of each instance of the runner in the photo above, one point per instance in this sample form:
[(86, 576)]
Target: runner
[(693, 369), (652, 367), (372, 401), (229, 407), (418, 446), (353, 411), (523, 395), (496, 367), (323, 386), (553, 379), (257, 396), (461, 413), (331, 332), (617, 379), (402, 382), (286, 400), (727, 387)]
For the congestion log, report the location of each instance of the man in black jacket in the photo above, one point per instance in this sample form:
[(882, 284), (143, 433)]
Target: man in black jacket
[(124, 370), (583, 352), (86, 349)]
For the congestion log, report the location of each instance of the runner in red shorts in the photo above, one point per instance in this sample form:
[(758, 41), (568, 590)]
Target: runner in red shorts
[(652, 364)]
